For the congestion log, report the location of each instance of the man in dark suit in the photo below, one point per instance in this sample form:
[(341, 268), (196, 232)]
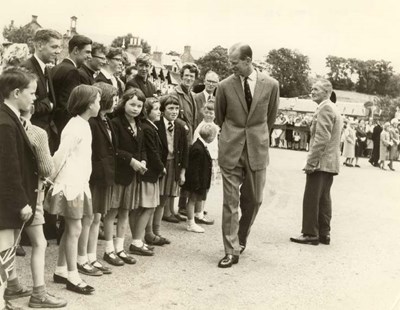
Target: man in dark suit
[(322, 164), (245, 109), (376, 139), (66, 76), (47, 44), (112, 67), (141, 79), (211, 80), (18, 166), (90, 69)]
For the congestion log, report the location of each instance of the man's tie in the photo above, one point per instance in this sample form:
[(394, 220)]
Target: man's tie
[(209, 98), (24, 123), (170, 126), (46, 77), (106, 123), (247, 93)]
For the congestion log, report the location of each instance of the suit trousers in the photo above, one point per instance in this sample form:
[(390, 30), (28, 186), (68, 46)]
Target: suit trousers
[(317, 204), (245, 186)]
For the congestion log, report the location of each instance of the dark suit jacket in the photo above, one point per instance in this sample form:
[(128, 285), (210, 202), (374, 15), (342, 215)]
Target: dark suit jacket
[(86, 75), (180, 146), (101, 78), (147, 87), (128, 147), (18, 170), (153, 150), (188, 110), (241, 127), (200, 100), (103, 153), (198, 174), (65, 78), (43, 110)]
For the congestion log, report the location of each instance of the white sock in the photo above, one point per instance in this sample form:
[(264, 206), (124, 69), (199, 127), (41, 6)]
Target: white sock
[(190, 222), (119, 244), (62, 271), (137, 242), (82, 259), (2, 302), (73, 277), (92, 257), (109, 246), (199, 215)]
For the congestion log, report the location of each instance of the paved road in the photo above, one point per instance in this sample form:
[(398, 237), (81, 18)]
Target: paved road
[(359, 270)]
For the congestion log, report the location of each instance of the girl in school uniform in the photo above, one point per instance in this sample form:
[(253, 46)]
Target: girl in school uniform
[(71, 194), (175, 159), (149, 197), (103, 169), (130, 161)]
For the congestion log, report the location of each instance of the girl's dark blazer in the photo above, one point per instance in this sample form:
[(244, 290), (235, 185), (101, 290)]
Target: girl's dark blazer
[(128, 146), (180, 146), (153, 150), (198, 174), (103, 153)]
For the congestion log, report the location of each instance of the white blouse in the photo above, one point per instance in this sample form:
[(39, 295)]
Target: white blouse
[(72, 160)]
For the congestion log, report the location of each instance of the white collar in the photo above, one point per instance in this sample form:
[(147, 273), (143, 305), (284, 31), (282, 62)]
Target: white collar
[(41, 63), (206, 94), (166, 122), (107, 74), (73, 62), (251, 77), (14, 109), (202, 141)]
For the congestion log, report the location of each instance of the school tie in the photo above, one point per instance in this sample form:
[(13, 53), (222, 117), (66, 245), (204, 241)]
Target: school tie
[(106, 123), (24, 123), (170, 126), (247, 93), (46, 77)]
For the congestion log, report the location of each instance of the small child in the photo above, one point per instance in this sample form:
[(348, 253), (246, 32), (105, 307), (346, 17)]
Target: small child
[(208, 118), (198, 174)]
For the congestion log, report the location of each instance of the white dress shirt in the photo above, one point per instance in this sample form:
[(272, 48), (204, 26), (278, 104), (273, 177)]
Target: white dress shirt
[(252, 79)]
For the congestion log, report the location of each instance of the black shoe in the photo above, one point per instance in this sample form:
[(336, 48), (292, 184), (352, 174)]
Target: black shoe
[(228, 261), (325, 239), (59, 279), (89, 270), (10, 295), (126, 258), (170, 219), (183, 212), (305, 239), (113, 259), (242, 248), (20, 251), (143, 250), (156, 240), (104, 269), (81, 288)]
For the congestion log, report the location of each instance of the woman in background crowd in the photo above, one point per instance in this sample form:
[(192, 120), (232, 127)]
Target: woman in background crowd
[(349, 141), (361, 141), (385, 143)]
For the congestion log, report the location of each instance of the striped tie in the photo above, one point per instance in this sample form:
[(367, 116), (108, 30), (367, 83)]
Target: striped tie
[(24, 123), (170, 126)]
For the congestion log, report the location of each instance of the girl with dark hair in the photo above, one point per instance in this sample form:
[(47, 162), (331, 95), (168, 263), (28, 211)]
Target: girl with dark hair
[(130, 161)]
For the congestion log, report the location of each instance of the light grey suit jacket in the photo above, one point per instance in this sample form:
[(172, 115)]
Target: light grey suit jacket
[(240, 127), (324, 153)]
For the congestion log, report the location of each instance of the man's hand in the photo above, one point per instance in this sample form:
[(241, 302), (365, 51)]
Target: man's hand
[(309, 169), (26, 213)]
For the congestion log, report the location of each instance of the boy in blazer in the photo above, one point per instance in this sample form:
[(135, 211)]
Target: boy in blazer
[(18, 165)]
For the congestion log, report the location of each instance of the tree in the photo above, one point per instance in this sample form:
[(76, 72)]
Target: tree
[(393, 86), (373, 76), (291, 69), (342, 71), (215, 60), (387, 106), (117, 42), (18, 34)]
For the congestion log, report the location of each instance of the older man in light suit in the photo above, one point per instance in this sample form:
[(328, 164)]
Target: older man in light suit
[(322, 164), (246, 106)]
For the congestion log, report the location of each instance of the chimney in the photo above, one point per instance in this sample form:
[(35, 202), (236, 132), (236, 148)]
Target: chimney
[(187, 56), (34, 18), (73, 26), (136, 48), (157, 56)]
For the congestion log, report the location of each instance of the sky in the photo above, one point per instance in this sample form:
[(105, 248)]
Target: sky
[(362, 29)]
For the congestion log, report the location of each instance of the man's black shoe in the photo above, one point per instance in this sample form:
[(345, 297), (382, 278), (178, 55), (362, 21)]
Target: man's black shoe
[(305, 239), (228, 261), (325, 239)]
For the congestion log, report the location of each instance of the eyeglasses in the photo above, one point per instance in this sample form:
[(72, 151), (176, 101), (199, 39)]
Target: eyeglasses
[(211, 82), (117, 59), (99, 57)]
